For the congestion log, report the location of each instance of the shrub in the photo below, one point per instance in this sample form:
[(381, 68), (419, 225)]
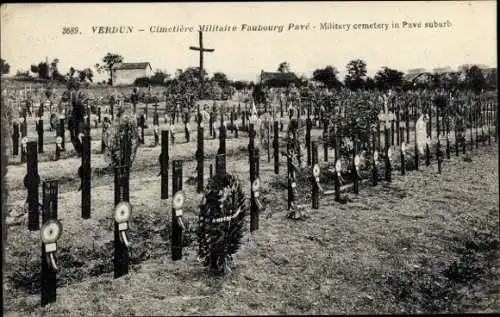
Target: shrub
[(122, 140)]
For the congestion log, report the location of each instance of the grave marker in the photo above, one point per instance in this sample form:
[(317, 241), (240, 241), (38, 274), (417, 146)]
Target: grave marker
[(15, 139), (355, 169), (61, 132), (403, 162), (375, 168), (31, 183), (222, 136), (255, 204), (177, 204), (121, 216), (24, 139), (325, 140), (336, 177), (163, 159), (200, 157), (39, 129), (276, 148), (50, 232), (85, 175), (427, 152), (316, 188), (388, 165), (308, 137)]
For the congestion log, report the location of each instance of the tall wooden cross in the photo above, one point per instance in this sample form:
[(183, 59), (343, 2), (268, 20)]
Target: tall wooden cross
[(201, 49), (385, 115)]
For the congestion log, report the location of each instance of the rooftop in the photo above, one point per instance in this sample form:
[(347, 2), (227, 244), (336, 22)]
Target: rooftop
[(131, 65)]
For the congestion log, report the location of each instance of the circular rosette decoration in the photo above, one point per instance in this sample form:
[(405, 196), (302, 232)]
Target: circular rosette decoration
[(221, 222), (122, 141)]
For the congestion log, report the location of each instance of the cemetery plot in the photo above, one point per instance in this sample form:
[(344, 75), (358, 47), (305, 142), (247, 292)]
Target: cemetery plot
[(145, 243)]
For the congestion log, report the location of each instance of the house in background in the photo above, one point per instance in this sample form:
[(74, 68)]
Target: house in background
[(127, 73), (278, 79)]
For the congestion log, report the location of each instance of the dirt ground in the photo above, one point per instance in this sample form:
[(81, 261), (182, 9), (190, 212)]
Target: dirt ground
[(425, 243)]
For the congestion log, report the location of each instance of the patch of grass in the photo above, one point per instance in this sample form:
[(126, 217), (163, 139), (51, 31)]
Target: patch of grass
[(430, 290)]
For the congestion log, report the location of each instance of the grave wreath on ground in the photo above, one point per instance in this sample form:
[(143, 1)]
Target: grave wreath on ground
[(221, 219)]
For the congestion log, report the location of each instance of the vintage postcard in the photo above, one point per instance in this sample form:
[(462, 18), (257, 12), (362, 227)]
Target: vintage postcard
[(249, 158)]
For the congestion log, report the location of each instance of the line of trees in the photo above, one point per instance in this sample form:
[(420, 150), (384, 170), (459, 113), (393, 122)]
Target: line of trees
[(467, 76)]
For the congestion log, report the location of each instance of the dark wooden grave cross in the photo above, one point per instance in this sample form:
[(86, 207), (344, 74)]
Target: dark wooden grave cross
[(135, 99), (220, 165), (427, 151), (438, 145), (325, 140), (31, 182), (15, 139), (61, 132), (39, 129), (186, 127), (49, 237), (200, 157), (429, 127), (387, 116), (315, 177), (291, 179), (156, 124), (87, 121), (211, 123), (355, 168), (177, 228), (276, 147), (202, 50), (24, 138), (142, 123), (403, 162), (251, 140), (471, 121), (476, 122), (122, 195), (399, 135), (255, 204), (308, 135), (112, 108), (163, 160), (375, 167), (85, 175), (222, 135)]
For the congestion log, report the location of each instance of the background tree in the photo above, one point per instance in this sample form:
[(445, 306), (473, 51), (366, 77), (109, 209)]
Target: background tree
[(159, 77), (85, 74), (491, 79), (388, 78), (71, 72), (4, 67), (108, 61), (42, 70), (240, 84), (475, 79), (327, 76), (220, 79), (356, 73), (284, 67)]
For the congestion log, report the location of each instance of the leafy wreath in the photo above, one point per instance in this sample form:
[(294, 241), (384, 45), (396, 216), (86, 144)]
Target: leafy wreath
[(221, 222)]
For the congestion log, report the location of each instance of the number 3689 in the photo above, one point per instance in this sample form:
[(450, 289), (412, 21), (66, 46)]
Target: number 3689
[(70, 30)]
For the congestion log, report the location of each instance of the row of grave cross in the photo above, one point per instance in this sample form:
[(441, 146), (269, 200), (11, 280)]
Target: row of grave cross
[(51, 228)]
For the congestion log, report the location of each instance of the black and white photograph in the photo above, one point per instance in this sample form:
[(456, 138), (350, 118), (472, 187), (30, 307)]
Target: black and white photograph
[(249, 158)]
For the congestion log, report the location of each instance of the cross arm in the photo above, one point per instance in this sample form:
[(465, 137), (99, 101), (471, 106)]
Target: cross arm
[(202, 49)]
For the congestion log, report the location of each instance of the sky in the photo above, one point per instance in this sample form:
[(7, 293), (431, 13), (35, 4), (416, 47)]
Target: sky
[(31, 32)]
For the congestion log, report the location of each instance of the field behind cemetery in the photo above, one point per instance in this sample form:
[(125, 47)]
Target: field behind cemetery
[(425, 243)]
